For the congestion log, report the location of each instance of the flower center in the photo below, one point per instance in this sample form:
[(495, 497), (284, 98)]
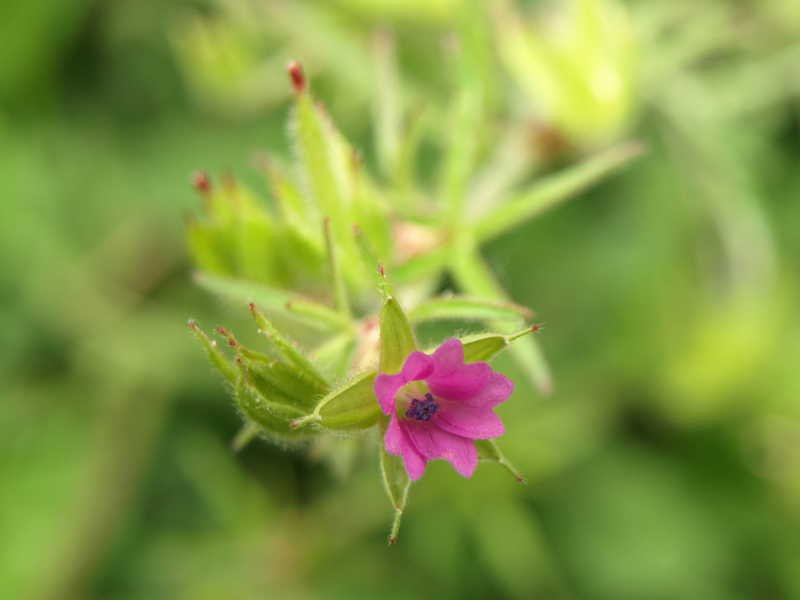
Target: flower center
[(422, 410)]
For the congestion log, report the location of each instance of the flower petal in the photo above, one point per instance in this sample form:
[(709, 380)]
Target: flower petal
[(418, 366), (398, 442), (394, 440), (451, 378), (498, 391), (469, 421), (433, 442)]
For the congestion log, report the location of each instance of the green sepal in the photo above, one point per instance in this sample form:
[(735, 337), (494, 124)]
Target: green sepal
[(352, 406), (466, 307), (397, 337), (488, 451), (485, 346), (286, 348), (274, 419), (217, 358), (395, 480)]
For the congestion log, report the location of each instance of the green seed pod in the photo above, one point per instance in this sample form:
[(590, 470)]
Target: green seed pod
[(222, 364), (273, 417)]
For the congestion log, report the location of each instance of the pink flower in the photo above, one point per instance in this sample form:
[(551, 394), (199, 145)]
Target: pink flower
[(439, 405)]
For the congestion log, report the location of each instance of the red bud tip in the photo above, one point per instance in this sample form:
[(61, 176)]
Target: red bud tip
[(192, 324), (293, 425), (233, 343), (252, 306), (520, 479), (201, 182), (298, 78), (239, 360), (380, 270), (392, 540), (222, 330), (535, 328)]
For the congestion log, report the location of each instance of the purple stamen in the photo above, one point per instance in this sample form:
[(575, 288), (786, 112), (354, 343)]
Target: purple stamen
[(422, 410)]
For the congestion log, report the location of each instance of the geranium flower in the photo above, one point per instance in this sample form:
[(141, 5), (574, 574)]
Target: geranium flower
[(439, 405)]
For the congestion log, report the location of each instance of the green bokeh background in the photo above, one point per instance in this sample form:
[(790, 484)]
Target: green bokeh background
[(666, 465)]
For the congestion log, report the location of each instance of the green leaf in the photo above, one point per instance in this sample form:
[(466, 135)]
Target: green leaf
[(240, 290), (352, 406), (424, 265), (474, 276), (468, 113), (388, 102), (395, 480), (222, 364), (555, 189), (466, 307), (324, 316), (488, 451), (336, 355), (405, 175), (530, 358), (286, 348), (397, 337)]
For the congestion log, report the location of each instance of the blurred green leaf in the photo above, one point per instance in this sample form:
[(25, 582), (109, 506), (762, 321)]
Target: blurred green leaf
[(465, 307), (555, 189), (488, 451)]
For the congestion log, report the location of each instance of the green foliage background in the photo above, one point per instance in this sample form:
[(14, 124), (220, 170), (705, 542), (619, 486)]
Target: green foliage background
[(665, 465)]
